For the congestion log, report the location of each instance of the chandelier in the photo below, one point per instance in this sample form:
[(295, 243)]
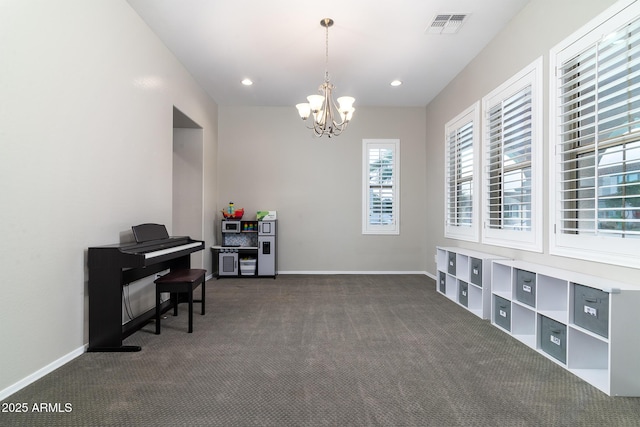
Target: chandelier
[(322, 106)]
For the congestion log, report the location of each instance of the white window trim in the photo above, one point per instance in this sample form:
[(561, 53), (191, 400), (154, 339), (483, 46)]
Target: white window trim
[(393, 228), (525, 240), (471, 114), (609, 250)]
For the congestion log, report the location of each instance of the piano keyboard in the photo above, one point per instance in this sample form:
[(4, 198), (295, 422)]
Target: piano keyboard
[(171, 250)]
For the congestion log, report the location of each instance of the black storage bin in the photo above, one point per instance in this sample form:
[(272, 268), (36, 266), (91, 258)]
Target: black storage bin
[(442, 282), (451, 263), (553, 338), (476, 271), (591, 309), (463, 293), (502, 312), (526, 287)]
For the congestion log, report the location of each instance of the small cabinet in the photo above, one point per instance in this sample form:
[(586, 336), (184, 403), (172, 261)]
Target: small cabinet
[(464, 276), (227, 263), (247, 249), (579, 321)]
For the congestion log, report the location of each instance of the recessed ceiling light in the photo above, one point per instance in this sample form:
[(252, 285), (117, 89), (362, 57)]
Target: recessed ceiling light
[(247, 82), (396, 83)]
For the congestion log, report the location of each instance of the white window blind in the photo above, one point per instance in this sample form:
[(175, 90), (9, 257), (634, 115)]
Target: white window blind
[(460, 184), (509, 166), (600, 138), (511, 175), (380, 186), (596, 138), (460, 176)]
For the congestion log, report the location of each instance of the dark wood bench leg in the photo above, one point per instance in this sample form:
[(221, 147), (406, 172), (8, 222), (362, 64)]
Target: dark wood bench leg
[(203, 295), (177, 283), (174, 301), (157, 312), (190, 292)]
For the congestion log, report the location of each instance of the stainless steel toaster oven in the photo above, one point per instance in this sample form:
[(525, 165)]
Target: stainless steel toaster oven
[(231, 226)]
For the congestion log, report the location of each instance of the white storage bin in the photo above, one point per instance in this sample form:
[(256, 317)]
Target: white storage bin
[(248, 267)]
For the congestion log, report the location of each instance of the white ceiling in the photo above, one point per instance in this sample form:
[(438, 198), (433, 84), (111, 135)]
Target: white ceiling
[(280, 45)]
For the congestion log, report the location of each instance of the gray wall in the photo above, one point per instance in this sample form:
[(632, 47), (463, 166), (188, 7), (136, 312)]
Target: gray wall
[(541, 25), (86, 135), (270, 161), (188, 192)]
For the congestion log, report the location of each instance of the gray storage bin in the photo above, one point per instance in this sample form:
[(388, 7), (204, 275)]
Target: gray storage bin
[(442, 282), (553, 338), (591, 309), (463, 293), (502, 312), (476, 271), (526, 287), (451, 263)]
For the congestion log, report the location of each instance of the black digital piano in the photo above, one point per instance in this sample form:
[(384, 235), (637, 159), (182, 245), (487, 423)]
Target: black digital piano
[(112, 267)]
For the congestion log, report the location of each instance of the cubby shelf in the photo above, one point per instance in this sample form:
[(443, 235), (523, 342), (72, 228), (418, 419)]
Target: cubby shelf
[(581, 322), (464, 276)]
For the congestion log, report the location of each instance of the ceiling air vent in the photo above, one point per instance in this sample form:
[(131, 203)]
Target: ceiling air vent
[(446, 23)]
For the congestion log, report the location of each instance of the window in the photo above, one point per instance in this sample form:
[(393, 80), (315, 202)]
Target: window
[(381, 186), (512, 161), (461, 139), (595, 137)]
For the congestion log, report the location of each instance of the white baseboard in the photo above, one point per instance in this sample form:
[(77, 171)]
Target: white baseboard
[(42, 372), (353, 272), (426, 273)]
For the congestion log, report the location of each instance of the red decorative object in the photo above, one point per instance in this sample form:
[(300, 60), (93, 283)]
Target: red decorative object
[(237, 214)]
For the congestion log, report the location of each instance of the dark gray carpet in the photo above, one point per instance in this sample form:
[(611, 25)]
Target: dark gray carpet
[(370, 350)]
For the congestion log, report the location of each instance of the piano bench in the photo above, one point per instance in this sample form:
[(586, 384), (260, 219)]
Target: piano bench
[(178, 281)]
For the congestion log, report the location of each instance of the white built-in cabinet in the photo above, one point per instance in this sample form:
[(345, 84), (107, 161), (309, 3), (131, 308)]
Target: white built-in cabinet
[(464, 276), (588, 325)]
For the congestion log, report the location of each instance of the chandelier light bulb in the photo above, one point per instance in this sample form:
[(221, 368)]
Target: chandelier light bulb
[(304, 110), (315, 102), (346, 103), (347, 114)]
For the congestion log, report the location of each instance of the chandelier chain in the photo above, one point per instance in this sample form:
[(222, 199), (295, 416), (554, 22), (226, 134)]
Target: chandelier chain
[(326, 53)]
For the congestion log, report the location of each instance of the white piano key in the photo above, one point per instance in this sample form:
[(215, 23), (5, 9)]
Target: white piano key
[(171, 250)]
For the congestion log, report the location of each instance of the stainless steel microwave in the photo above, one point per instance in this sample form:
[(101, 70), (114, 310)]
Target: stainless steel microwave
[(231, 226)]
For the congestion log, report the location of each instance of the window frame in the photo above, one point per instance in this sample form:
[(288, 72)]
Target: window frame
[(471, 115), (383, 229), (530, 240), (598, 247)]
